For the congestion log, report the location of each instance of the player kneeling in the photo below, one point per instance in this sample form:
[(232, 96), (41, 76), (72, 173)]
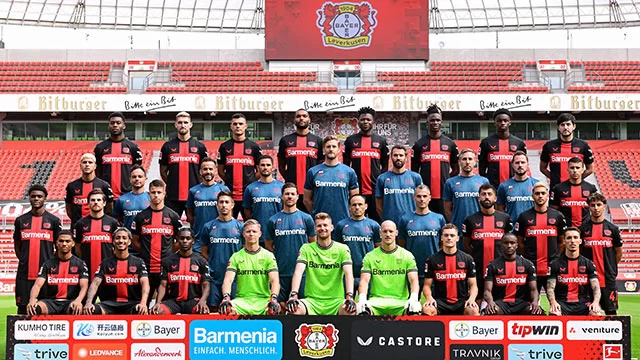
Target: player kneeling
[(326, 263), (185, 280), (388, 268), (258, 282), (122, 280), (454, 274), (573, 287), (65, 279)]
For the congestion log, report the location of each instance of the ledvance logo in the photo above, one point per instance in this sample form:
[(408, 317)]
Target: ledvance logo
[(534, 330), (235, 340)]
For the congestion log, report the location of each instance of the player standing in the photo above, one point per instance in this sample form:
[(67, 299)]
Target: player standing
[(368, 155), (514, 195), (570, 197), (263, 197), (76, 203), (130, 204)]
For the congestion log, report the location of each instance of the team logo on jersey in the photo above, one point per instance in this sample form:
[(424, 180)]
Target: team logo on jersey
[(174, 149), (552, 221), (341, 176), (73, 269), (317, 341), (375, 144), (194, 149), (499, 223), (279, 221), (585, 193), (85, 228), (461, 264), (256, 189), (312, 143), (234, 231), (133, 269), (409, 182), (500, 270), (194, 267), (229, 151), (520, 269), (513, 147), (346, 25), (432, 223), (607, 232), (411, 222), (367, 229), (106, 228), (320, 173), (77, 191), (125, 150), (388, 181), (425, 147), (247, 151), (563, 269), (576, 149), (145, 203), (46, 226), (444, 147), (146, 221), (166, 220), (582, 268), (300, 222), (478, 224), (458, 185)]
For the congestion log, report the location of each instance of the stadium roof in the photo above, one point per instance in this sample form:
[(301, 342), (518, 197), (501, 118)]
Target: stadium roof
[(248, 15)]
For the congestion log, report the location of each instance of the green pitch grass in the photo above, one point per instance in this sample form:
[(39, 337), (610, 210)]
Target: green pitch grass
[(629, 304)]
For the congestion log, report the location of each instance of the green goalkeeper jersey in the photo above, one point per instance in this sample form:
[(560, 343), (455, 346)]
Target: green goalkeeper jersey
[(252, 272), (389, 272), (324, 269)]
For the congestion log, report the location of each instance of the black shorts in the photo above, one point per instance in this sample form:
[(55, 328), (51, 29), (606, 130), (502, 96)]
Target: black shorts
[(574, 308), (215, 293), (609, 299), (285, 288), (519, 307), (56, 307), (541, 282), (480, 283), (437, 206), (23, 291), (154, 283), (444, 308), (172, 306), (111, 307)]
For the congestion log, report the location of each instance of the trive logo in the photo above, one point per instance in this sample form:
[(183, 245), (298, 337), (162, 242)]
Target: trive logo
[(536, 352), (538, 330)]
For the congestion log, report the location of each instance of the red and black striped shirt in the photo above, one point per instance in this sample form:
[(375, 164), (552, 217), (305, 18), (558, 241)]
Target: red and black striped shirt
[(36, 235), (184, 276), (540, 232), (485, 232), (432, 159), (599, 243), (239, 159), (299, 154), (572, 278), (450, 274), (496, 155), (95, 239), (557, 154), (511, 279), (114, 160), (77, 192), (121, 279), (157, 230), (571, 200), (366, 155), (183, 159), (62, 277)]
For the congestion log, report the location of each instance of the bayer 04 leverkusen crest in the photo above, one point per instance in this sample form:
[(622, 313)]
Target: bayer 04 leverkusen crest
[(346, 25)]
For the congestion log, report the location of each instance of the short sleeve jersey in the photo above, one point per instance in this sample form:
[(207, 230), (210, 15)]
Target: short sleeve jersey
[(366, 155), (299, 154), (496, 154), (422, 234), (114, 160), (121, 279), (389, 271), (572, 200), (462, 191), (62, 277), (264, 200), (129, 205), (516, 196), (396, 191), (183, 159), (511, 278), (450, 274), (331, 186), (184, 276), (557, 154), (222, 238), (360, 236), (252, 272), (289, 231), (540, 232), (599, 243), (157, 231), (36, 235), (486, 232), (239, 159), (77, 192), (432, 159), (573, 279), (324, 269), (95, 238), (203, 200)]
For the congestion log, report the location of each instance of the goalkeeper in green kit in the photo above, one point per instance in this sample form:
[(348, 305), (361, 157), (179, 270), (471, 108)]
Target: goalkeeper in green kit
[(325, 263), (388, 268), (257, 274)]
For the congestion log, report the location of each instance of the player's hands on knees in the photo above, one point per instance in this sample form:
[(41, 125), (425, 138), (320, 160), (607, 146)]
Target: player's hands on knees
[(76, 307), (142, 309), (492, 309), (554, 309), (350, 306), (595, 309), (155, 309), (536, 309), (363, 307), (413, 306), (31, 307), (273, 306), (225, 305), (89, 308), (202, 307), (293, 302), (470, 304)]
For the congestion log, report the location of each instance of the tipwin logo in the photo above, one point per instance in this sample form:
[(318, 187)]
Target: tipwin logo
[(535, 330)]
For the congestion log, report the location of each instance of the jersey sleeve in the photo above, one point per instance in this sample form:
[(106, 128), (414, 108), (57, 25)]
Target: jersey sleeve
[(77, 232), (44, 271), (553, 270), (117, 209), (471, 267), (233, 263), (518, 227), (204, 233), (311, 228), (190, 204), (164, 273), (410, 262), (489, 273), (522, 146), (447, 194), (203, 152), (415, 157), (384, 153), (246, 199), (375, 227), (303, 256), (531, 271), (417, 179), (222, 156), (617, 239), (508, 224), (554, 199), (336, 234), (69, 195), (562, 223), (205, 272), (106, 188), (84, 270), (402, 228), (142, 269), (379, 186), (502, 194), (367, 264), (591, 271), (308, 183), (257, 153), (270, 231), (353, 180), (482, 154), (455, 153), (588, 154), (136, 154), (428, 269), (346, 256), (100, 272), (98, 154), (164, 155), (177, 224), (544, 155), (346, 155), (466, 227), (135, 225), (16, 232), (281, 149), (272, 264)]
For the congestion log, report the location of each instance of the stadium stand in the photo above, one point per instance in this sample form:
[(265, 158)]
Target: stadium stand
[(608, 76), (616, 170)]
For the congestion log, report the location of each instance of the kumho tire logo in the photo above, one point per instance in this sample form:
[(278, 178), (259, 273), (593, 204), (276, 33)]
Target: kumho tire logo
[(535, 330)]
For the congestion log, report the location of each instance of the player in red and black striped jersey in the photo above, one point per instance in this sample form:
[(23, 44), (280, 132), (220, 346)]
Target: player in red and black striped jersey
[(602, 244), (510, 282), (116, 155), (154, 232), (122, 281), (93, 233), (33, 241), (556, 153), (540, 233), (237, 160), (368, 155), (77, 191), (64, 281), (180, 160), (435, 158), (573, 287), (453, 276), (570, 197), (496, 150), (185, 280), (298, 152), (482, 231)]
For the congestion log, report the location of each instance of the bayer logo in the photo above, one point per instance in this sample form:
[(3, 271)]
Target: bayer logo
[(143, 329), (462, 330), (347, 26), (317, 341)]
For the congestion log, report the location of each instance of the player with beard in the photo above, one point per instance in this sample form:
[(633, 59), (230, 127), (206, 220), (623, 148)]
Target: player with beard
[(510, 283), (570, 197), (116, 156), (130, 204), (33, 236), (514, 195), (202, 199), (395, 188), (65, 280), (482, 231), (573, 287), (435, 158), (496, 150), (540, 233), (368, 155), (263, 197), (77, 191), (329, 185), (298, 152), (557, 153)]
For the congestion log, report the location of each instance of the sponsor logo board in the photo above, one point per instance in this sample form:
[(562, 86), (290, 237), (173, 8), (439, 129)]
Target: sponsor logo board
[(235, 340), (40, 352), (535, 352), (397, 340), (100, 329), (476, 330), (476, 352), (534, 330), (41, 330), (164, 329), (164, 351), (100, 351)]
